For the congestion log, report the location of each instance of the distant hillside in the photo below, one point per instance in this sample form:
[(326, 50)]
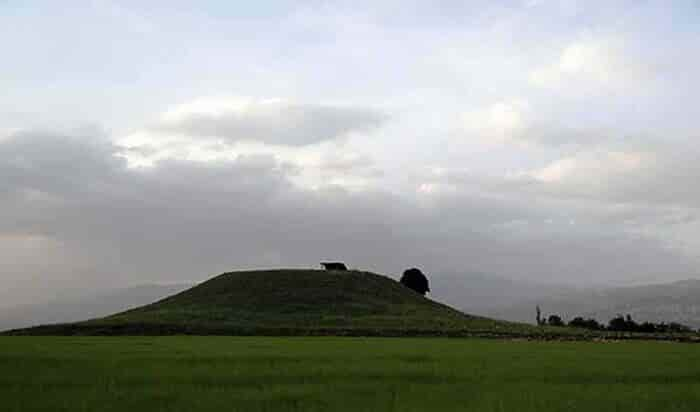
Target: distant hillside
[(481, 293), (671, 302), (293, 302), (102, 304)]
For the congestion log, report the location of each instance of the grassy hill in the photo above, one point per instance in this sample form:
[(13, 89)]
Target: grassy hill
[(293, 302)]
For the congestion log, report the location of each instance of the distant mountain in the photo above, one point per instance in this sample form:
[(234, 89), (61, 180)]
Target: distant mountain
[(480, 293), (86, 308), (670, 302)]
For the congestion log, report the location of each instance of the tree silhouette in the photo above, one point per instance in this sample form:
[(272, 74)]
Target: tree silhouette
[(623, 324), (617, 323), (555, 320), (416, 280), (580, 322)]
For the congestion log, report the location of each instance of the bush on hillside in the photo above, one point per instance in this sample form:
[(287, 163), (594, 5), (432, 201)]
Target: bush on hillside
[(555, 320), (591, 324), (415, 279)]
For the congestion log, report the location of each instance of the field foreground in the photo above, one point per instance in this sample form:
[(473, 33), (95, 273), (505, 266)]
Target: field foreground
[(344, 374)]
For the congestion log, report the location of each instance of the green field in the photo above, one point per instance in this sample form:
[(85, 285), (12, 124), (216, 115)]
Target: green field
[(344, 374)]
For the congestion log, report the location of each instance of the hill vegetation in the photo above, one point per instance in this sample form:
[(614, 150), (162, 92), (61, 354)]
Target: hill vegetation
[(293, 302)]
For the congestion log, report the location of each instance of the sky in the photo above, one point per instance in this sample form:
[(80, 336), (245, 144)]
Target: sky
[(545, 141)]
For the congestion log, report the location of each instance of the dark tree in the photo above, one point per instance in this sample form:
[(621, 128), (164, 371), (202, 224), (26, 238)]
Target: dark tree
[(647, 327), (626, 324), (538, 317), (678, 328), (579, 322), (416, 280), (672, 327), (555, 320), (617, 323), (623, 324)]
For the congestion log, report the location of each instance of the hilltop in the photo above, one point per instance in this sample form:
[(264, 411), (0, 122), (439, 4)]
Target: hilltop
[(293, 302)]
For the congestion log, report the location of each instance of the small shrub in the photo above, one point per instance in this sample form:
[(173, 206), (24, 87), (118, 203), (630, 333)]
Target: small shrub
[(415, 279), (580, 322), (555, 320)]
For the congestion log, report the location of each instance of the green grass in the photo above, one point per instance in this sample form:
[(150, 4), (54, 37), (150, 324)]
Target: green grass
[(344, 374), (294, 302)]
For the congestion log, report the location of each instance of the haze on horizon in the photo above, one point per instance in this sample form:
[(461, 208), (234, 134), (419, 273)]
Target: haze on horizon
[(545, 141)]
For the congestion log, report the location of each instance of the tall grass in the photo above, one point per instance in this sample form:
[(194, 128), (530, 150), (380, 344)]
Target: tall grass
[(344, 374)]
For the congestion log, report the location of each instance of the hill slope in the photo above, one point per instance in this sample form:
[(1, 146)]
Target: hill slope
[(292, 302), (86, 307)]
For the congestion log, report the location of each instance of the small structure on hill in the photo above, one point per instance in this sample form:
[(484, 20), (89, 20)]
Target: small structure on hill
[(334, 266)]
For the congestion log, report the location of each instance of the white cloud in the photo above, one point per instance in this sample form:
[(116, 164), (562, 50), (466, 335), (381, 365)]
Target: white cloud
[(313, 138), (497, 123), (272, 121), (590, 168), (517, 122), (591, 65)]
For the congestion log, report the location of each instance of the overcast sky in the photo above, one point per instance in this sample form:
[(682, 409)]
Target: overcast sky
[(553, 141)]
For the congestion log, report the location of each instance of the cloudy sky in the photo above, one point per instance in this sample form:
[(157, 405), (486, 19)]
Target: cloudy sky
[(543, 140)]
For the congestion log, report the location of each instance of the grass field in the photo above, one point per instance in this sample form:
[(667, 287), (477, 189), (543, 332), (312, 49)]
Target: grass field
[(344, 374)]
